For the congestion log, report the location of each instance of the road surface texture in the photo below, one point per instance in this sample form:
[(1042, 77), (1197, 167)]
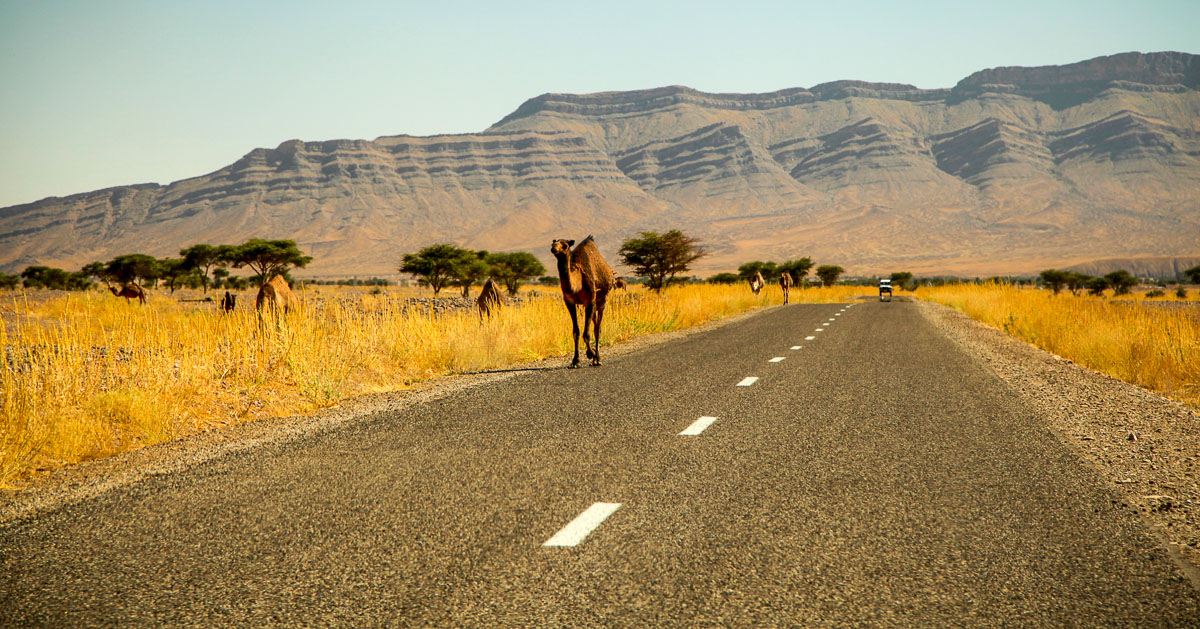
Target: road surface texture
[(875, 476)]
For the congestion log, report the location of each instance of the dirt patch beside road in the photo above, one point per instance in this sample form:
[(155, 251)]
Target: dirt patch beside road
[(1147, 446)]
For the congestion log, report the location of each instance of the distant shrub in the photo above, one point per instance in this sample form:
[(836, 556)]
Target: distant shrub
[(1154, 293), (1181, 292)]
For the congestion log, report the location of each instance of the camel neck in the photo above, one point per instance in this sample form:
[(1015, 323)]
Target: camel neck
[(566, 280)]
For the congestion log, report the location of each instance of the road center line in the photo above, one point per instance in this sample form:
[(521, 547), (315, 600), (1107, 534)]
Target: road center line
[(748, 381), (809, 338), (698, 426), (795, 347), (573, 533), (777, 359)]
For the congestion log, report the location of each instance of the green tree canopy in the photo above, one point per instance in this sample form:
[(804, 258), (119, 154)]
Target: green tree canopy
[(9, 281), (204, 257), (660, 257), (176, 271), (45, 277), (724, 278), (1055, 279), (1193, 274), (131, 267), (829, 273), (266, 258), (1121, 281), (436, 265), (768, 269), (797, 268), (1077, 281), (511, 269), (901, 279), (470, 271), (1096, 285)]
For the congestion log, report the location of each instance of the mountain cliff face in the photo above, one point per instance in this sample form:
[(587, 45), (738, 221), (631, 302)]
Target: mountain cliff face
[(1011, 170)]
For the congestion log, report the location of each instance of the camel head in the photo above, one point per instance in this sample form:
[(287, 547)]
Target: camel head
[(561, 247)]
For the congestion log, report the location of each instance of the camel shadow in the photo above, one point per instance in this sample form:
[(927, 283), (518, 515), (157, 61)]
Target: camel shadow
[(510, 370)]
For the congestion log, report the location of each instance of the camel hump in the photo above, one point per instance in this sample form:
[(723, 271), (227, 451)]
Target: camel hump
[(595, 270)]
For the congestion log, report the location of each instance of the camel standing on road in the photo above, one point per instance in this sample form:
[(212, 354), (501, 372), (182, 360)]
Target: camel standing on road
[(130, 291), (585, 279), (785, 282), (489, 299), (757, 282), (276, 296)]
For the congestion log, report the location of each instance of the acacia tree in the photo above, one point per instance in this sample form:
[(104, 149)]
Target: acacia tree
[(829, 273), (130, 267), (435, 265), (1055, 279), (1193, 274), (173, 270), (267, 258), (1077, 281), (798, 269), (470, 271), (747, 270), (204, 257), (660, 257), (901, 279), (1121, 282), (511, 269)]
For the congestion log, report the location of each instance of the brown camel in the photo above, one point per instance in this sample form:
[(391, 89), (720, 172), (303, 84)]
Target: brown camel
[(620, 283), (130, 291), (277, 296), (585, 279), (785, 282), (489, 299), (757, 282), (228, 302)]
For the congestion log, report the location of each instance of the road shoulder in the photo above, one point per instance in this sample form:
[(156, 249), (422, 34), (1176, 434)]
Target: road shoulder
[(1146, 446)]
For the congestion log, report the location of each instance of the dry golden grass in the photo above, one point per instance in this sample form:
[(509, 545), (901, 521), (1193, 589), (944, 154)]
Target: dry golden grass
[(1154, 345), (90, 375)]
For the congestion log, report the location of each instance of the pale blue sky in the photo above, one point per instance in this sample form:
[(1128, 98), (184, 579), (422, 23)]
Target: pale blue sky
[(99, 94)]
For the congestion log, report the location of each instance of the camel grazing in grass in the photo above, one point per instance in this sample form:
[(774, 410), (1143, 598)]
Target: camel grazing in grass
[(785, 282), (276, 296), (757, 282), (130, 291), (489, 299), (585, 279)]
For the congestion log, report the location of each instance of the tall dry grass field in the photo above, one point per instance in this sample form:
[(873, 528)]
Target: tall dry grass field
[(1151, 343), (90, 375)]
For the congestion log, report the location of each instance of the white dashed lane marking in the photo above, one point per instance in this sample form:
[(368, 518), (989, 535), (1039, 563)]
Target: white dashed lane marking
[(795, 347), (777, 359), (698, 426), (809, 338), (748, 381), (573, 533)]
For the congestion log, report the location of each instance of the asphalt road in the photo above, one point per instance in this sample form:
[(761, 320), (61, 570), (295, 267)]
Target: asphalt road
[(876, 476)]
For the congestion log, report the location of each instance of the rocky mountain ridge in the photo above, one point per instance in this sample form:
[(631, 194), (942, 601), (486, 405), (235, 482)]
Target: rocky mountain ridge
[(1011, 170)]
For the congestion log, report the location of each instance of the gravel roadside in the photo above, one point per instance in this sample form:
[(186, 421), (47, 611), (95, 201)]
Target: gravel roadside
[(1145, 445)]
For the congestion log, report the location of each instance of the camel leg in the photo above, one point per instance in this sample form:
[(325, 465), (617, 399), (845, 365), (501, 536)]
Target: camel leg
[(589, 322), (596, 325), (575, 332)]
